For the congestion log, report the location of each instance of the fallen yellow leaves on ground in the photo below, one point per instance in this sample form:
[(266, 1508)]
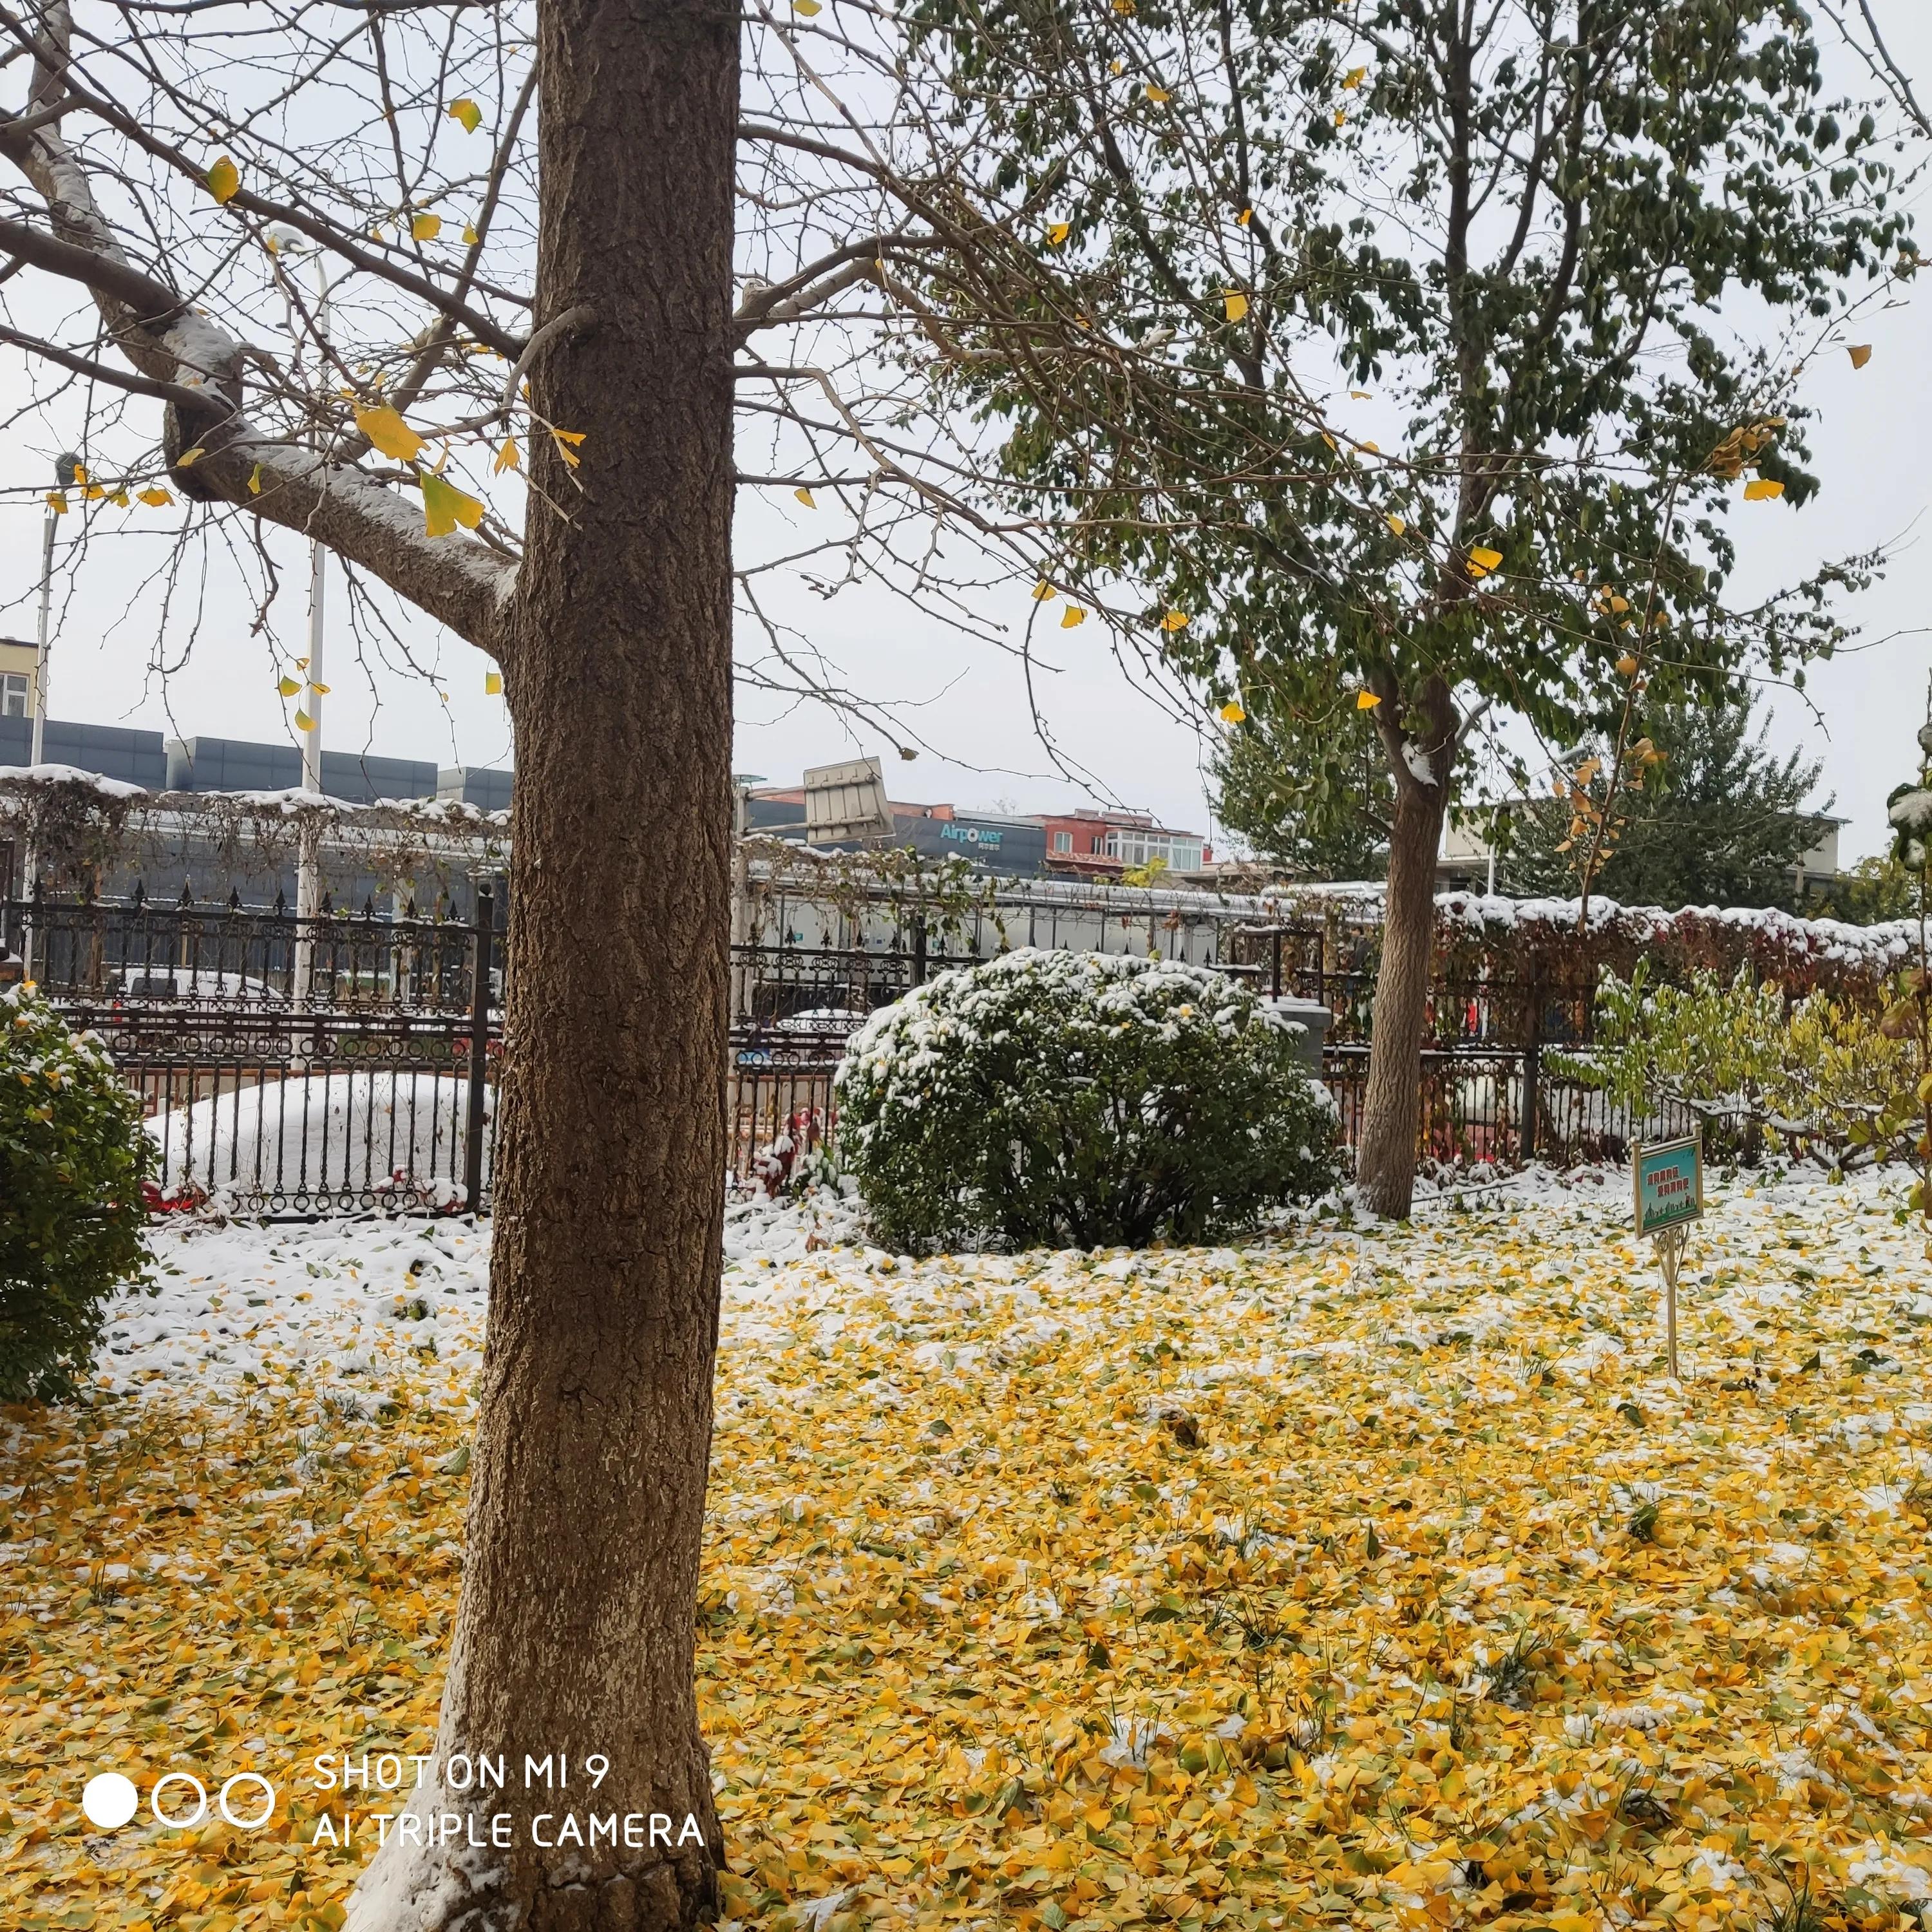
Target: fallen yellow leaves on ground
[(1368, 1578)]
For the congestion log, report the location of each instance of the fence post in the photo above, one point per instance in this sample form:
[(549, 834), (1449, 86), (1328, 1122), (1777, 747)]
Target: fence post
[(1532, 1068), (918, 949), (1275, 989), (479, 1051)]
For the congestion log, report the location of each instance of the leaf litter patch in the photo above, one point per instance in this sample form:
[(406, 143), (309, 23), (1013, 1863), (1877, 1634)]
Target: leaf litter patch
[(1369, 1577)]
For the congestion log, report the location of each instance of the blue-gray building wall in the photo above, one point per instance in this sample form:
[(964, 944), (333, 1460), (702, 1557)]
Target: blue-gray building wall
[(238, 764), (488, 787), (134, 757)]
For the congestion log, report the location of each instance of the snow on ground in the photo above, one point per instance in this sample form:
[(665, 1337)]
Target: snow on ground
[(1364, 1575), (346, 1302)]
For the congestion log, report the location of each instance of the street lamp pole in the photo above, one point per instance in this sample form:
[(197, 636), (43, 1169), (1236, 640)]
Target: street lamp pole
[(66, 470), (48, 527), (308, 861)]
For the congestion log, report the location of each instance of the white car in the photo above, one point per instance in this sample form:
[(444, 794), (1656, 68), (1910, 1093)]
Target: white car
[(187, 982)]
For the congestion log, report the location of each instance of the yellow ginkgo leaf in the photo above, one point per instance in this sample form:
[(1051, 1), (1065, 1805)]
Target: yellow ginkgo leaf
[(1232, 711), (1861, 354), (320, 690), (1355, 76), (806, 497), (1626, 663), (1359, 395), (805, 9), (1341, 117), (469, 235), (426, 227), (288, 687), (1071, 615), (445, 506), (304, 722), (1236, 303), (1482, 562), (93, 491), (301, 664), (1395, 523), (1762, 489), (493, 684), (118, 498), (188, 456), (80, 472), (1366, 701), (1372, 448), (564, 439), (1042, 591), (223, 181), (467, 112), (1159, 95), (1246, 215), (387, 432), (1174, 620), (509, 457), (1059, 232), (1125, 8), (255, 480), (158, 499)]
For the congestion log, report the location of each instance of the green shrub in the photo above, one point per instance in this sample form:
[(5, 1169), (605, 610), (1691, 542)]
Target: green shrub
[(1057, 1099), (72, 1157), (1812, 1077)]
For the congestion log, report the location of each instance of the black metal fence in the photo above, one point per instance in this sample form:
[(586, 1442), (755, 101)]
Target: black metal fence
[(289, 1067), (301, 1066)]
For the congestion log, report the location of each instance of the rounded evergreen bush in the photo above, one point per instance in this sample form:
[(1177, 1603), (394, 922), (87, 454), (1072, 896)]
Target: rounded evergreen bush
[(1076, 1099), (72, 1157)]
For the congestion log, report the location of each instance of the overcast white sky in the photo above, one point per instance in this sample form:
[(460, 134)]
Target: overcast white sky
[(1869, 449)]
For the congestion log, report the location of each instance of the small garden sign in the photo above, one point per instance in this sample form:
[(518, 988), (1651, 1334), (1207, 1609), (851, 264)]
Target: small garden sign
[(1668, 1181)]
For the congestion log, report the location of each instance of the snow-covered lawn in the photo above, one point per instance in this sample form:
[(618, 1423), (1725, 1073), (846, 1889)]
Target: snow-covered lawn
[(1375, 1577)]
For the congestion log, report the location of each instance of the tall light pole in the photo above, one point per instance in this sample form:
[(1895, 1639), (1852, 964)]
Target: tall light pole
[(308, 862), (66, 469)]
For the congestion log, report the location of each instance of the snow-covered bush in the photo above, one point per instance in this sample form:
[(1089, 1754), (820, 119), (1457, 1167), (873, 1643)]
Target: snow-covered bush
[(73, 1157), (1078, 1099)]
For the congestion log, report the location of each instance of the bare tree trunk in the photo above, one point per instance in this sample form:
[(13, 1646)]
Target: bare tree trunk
[(575, 1636), (1385, 1155)]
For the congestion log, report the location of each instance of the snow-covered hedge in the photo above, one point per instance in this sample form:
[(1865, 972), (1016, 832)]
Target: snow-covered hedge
[(1550, 942), (1078, 1100), (72, 1160)]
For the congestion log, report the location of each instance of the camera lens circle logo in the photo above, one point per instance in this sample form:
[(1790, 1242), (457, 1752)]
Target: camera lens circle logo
[(109, 1800), (178, 1801)]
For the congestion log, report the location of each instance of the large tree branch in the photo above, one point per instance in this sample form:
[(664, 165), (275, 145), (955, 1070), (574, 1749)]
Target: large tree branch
[(328, 234), (456, 580), (146, 301), (198, 364), (176, 393)]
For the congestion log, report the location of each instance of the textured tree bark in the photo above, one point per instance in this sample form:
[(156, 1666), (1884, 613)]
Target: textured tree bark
[(576, 1631), (1385, 1154)]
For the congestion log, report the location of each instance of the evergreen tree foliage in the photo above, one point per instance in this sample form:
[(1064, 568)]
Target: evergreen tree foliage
[(1720, 820), (1312, 820)]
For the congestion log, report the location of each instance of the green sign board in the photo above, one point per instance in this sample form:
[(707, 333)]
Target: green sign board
[(1669, 1180)]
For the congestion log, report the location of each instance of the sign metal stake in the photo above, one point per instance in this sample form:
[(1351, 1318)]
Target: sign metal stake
[(1667, 1181)]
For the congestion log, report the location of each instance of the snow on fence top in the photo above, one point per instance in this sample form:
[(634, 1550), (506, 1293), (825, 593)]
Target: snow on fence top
[(1550, 939), (1476, 932)]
